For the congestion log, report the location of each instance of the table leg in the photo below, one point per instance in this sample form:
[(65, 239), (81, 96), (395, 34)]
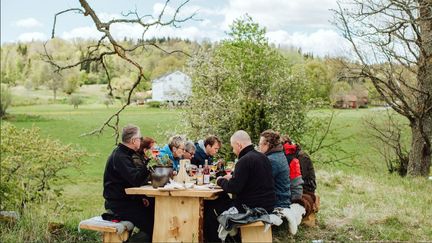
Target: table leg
[(178, 219)]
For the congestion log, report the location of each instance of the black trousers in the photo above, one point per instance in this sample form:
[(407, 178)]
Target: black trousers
[(213, 208), (140, 215)]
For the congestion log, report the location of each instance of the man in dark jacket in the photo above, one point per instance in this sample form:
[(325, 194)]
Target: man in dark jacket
[(205, 150), (308, 172), (293, 151), (121, 173), (252, 182)]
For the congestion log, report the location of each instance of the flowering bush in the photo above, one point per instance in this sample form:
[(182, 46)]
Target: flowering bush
[(30, 164)]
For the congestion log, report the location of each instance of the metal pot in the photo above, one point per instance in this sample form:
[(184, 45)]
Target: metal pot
[(161, 175)]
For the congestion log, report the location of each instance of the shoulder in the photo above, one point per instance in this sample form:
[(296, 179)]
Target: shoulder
[(277, 156), (165, 150), (254, 156)]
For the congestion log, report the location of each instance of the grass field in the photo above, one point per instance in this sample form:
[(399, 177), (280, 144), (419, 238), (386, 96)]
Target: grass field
[(358, 202)]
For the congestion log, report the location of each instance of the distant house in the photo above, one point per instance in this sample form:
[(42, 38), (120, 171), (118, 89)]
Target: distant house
[(346, 102), (174, 87)]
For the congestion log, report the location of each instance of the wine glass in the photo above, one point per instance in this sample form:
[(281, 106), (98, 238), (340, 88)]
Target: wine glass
[(213, 167), (155, 153), (228, 171)]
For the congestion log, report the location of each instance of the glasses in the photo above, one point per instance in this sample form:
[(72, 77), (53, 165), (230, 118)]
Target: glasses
[(191, 153)]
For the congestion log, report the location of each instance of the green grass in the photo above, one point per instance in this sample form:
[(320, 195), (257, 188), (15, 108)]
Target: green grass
[(359, 202), (68, 124)]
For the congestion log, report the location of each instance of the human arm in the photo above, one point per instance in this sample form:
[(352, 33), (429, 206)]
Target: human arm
[(235, 183), (128, 171)]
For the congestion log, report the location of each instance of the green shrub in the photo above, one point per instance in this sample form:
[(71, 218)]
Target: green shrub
[(30, 164), (75, 100), (154, 104), (108, 100), (6, 98)]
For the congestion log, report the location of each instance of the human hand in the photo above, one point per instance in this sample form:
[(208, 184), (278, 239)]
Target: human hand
[(217, 179), (228, 177)]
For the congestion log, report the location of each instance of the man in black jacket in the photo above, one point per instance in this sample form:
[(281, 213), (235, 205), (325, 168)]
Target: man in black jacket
[(252, 181), (252, 184), (121, 173)]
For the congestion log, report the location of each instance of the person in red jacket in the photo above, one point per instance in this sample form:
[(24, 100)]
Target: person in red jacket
[(295, 171), (306, 166)]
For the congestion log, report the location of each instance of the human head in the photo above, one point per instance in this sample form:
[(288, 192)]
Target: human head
[(177, 146), (239, 140), (286, 139), (146, 144), (131, 137), (212, 145), (269, 139), (189, 150)]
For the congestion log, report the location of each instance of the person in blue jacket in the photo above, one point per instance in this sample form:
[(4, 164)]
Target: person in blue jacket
[(174, 149), (270, 145)]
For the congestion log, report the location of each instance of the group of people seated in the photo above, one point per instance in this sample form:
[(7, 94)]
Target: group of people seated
[(272, 176), (180, 148)]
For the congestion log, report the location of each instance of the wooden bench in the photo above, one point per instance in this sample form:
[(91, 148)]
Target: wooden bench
[(109, 234), (254, 232)]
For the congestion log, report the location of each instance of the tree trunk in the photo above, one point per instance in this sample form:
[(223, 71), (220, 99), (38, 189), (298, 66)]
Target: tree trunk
[(420, 154), (55, 93), (421, 127)]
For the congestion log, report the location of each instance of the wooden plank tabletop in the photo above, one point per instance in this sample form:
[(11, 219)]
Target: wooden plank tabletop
[(150, 191)]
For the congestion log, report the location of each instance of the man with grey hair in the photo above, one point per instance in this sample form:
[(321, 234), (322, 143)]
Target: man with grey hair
[(189, 150), (174, 149), (121, 173)]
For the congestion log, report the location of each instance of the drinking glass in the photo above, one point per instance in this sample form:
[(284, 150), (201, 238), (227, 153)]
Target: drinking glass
[(155, 153), (228, 171), (213, 167)]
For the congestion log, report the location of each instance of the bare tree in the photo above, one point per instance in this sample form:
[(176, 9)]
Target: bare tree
[(392, 41), (108, 46), (389, 141)]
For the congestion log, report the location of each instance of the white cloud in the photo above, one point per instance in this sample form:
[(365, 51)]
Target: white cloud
[(201, 11), (186, 11), (28, 23), (32, 36), (322, 42), (134, 31), (205, 23), (276, 14), (82, 32), (158, 7), (105, 17)]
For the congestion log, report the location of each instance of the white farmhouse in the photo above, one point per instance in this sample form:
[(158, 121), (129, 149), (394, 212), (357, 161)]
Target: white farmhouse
[(174, 87)]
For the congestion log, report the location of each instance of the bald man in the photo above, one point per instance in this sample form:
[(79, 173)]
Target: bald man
[(252, 182)]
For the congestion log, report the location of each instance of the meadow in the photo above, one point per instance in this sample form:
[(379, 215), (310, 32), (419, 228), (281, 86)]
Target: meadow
[(360, 201)]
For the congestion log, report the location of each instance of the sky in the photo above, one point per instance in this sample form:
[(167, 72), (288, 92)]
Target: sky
[(301, 24)]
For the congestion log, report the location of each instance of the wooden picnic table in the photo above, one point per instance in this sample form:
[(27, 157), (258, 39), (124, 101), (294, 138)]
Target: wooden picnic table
[(179, 214)]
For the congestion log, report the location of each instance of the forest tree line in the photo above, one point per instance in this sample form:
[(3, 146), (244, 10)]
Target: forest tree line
[(23, 64)]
